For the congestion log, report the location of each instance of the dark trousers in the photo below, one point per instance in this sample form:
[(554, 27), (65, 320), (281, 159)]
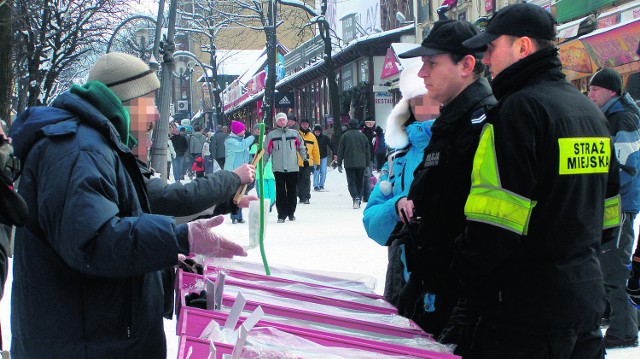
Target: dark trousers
[(178, 164), (381, 158), (366, 184), (614, 261), (491, 342), (220, 161), (286, 183), (304, 182), (354, 181), (394, 280)]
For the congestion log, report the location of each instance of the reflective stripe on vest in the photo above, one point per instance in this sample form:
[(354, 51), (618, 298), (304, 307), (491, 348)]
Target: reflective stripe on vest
[(488, 202), (612, 212)]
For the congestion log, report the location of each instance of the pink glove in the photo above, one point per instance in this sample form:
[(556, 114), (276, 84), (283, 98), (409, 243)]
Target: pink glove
[(203, 240)]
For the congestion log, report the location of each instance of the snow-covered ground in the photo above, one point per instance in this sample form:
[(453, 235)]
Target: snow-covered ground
[(326, 236)]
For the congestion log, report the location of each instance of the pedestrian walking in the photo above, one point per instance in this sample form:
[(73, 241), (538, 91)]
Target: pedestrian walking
[(206, 152), (218, 152), (181, 146), (171, 154), (544, 195), (268, 179), (368, 129), (379, 149), (324, 144), (196, 143), (306, 167), (623, 116), (283, 147), (354, 150), (237, 147)]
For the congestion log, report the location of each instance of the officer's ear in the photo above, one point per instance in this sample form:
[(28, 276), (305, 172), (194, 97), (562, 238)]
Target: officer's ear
[(523, 47), (468, 63)]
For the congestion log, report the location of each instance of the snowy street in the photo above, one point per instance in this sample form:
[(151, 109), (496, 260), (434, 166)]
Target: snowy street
[(327, 235)]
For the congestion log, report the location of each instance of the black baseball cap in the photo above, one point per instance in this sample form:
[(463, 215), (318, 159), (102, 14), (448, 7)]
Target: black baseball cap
[(522, 19), (445, 36)]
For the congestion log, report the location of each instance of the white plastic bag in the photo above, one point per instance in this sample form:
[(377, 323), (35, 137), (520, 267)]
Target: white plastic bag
[(254, 222)]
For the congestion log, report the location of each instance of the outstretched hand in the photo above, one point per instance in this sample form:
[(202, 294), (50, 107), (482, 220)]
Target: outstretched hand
[(203, 240), (245, 200)]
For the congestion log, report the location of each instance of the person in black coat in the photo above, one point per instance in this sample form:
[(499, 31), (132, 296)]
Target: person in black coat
[(379, 149), (434, 206), (180, 145), (368, 130), (325, 144), (355, 152), (543, 197)]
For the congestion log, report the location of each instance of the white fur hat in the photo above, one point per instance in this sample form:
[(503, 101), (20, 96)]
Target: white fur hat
[(395, 135), (411, 86)]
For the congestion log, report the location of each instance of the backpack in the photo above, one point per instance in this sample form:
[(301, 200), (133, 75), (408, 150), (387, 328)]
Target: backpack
[(198, 164)]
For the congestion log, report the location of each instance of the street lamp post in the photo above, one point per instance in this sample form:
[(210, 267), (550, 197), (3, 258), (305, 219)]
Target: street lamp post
[(203, 66), (159, 147), (270, 83)]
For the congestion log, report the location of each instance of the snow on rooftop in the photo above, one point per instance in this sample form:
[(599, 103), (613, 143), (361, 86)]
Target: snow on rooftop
[(236, 62)]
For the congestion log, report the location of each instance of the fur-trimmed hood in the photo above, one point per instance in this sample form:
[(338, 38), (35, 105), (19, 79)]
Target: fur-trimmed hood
[(395, 135), (411, 86)]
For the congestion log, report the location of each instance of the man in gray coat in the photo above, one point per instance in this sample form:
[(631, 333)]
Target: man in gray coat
[(355, 151), (283, 146), (217, 144)]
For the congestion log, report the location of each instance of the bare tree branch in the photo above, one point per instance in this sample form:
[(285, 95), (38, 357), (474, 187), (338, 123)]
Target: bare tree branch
[(54, 36)]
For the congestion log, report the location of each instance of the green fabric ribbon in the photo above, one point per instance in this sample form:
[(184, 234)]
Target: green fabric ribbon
[(105, 101)]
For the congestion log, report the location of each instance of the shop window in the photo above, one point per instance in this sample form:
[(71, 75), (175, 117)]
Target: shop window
[(363, 65)]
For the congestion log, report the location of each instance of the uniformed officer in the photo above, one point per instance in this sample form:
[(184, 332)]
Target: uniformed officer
[(452, 75), (544, 186)]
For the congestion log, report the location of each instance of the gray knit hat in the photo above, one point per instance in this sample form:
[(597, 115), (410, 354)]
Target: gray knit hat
[(126, 75), (609, 79)]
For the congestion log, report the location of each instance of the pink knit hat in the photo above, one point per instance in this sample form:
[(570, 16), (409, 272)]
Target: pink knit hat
[(237, 127)]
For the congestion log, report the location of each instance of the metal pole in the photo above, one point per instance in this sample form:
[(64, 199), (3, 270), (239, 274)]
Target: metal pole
[(159, 149), (159, 21)]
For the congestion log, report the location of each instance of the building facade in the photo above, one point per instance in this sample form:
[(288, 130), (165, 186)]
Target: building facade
[(369, 35)]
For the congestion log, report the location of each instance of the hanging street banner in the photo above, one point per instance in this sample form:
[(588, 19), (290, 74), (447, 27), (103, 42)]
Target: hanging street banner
[(284, 100)]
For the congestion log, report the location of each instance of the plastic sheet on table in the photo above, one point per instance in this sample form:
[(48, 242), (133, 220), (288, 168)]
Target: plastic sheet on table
[(261, 296), (356, 282), (267, 343), (300, 287), (194, 322), (415, 342)]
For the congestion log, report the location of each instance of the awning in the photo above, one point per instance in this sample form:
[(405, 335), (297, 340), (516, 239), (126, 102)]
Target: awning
[(620, 14), (571, 9), (576, 28), (611, 47), (614, 46), (449, 3)]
